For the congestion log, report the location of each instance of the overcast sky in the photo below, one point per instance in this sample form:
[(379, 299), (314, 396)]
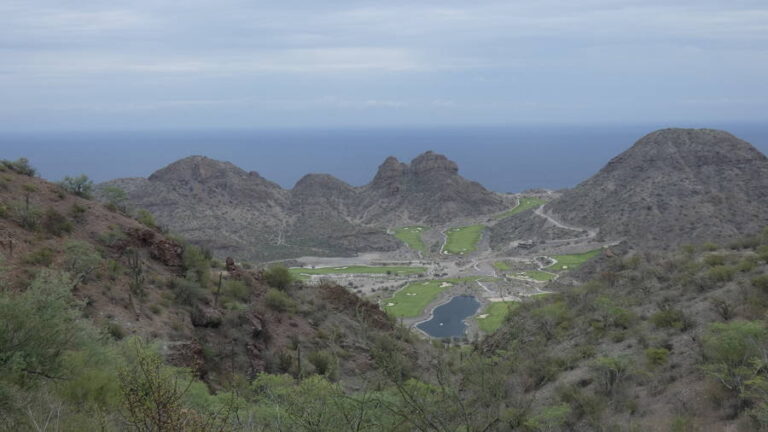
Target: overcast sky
[(148, 64)]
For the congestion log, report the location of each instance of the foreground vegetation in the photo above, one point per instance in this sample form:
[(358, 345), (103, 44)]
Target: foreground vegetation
[(463, 240)]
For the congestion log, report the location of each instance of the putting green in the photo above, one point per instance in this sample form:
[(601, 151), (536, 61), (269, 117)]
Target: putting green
[(572, 261), (412, 237), (524, 204), (494, 315), (501, 265), (303, 273), (540, 275), (411, 301), (463, 240)]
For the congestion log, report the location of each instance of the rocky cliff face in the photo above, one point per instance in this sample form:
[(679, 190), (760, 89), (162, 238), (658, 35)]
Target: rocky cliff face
[(674, 186), (240, 213), (429, 190)]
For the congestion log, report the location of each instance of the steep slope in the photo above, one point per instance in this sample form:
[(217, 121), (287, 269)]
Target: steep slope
[(674, 186), (217, 320), (235, 212)]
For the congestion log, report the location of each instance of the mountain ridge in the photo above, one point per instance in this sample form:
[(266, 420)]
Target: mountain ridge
[(216, 202)]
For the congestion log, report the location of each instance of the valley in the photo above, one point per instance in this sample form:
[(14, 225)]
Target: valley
[(437, 264)]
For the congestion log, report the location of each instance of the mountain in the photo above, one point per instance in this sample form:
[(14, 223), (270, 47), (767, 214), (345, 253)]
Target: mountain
[(674, 186), (234, 212)]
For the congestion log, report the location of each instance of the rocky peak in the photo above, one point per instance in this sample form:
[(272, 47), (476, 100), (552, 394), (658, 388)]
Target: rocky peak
[(430, 163), (390, 171), (319, 183), (197, 169)]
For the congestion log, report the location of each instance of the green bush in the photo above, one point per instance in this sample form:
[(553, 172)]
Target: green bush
[(714, 260), (670, 318), (278, 277), (732, 350), (146, 218), (81, 185), (279, 301), (721, 273), (656, 356), (236, 290), (324, 362), (55, 223), (113, 236), (115, 197), (761, 283), (41, 257), (116, 330), (196, 265), (186, 292), (20, 166)]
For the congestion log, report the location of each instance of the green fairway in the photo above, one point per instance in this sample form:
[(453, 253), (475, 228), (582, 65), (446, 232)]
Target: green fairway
[(501, 265), (525, 204), (496, 313), (411, 301), (540, 275), (301, 272), (463, 240), (572, 261), (412, 237)]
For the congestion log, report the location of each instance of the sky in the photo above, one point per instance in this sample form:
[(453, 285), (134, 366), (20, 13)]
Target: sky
[(171, 64)]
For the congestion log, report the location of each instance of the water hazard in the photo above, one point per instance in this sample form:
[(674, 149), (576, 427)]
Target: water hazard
[(448, 319)]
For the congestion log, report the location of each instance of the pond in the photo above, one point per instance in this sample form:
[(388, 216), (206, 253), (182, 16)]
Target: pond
[(448, 319)]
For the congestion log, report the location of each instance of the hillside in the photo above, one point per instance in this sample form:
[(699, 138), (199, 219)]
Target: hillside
[(674, 186), (235, 212), (78, 279)]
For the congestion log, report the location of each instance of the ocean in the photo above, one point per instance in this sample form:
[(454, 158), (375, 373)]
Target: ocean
[(505, 159)]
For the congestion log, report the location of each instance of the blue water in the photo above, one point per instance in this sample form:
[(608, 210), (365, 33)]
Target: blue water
[(448, 319), (505, 159)]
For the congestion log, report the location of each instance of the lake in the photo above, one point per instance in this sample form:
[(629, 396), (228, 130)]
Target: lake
[(448, 319)]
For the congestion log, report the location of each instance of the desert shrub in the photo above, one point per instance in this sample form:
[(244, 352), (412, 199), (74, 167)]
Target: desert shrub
[(721, 273), (549, 418), (656, 356), (115, 330), (185, 291), (611, 372), (279, 301), (714, 260), (55, 223), (196, 265), (324, 363), (762, 253), (761, 283), (77, 212), (237, 290), (113, 236), (115, 198), (81, 259), (40, 257), (732, 352), (20, 166), (38, 326), (146, 218), (671, 318), (278, 277), (81, 185)]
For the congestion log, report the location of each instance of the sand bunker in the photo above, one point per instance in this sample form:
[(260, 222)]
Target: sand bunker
[(445, 285), (390, 304), (483, 316)]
